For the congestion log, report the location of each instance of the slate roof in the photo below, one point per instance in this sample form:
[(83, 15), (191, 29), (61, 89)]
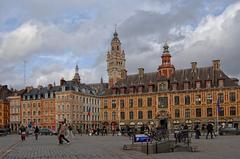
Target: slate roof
[(179, 77), (4, 92), (69, 85)]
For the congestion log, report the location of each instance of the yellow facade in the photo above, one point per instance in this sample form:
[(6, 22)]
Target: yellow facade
[(170, 111), (4, 113)]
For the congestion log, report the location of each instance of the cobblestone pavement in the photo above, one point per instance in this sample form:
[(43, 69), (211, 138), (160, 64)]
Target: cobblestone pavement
[(109, 147)]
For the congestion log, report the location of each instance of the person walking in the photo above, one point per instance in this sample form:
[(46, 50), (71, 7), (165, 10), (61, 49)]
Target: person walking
[(62, 132), (71, 134), (209, 130), (36, 132), (197, 131), (23, 133)]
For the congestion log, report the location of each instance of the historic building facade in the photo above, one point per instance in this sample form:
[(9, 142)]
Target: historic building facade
[(169, 97), (71, 101), (15, 109), (4, 107)]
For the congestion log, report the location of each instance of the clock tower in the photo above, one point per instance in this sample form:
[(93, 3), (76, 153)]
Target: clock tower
[(115, 61)]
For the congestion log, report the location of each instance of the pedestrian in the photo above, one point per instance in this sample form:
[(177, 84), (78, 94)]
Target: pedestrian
[(203, 129), (209, 130), (36, 132), (70, 131), (197, 132), (23, 133), (62, 133)]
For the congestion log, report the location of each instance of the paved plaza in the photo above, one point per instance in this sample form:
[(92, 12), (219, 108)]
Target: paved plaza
[(109, 147)]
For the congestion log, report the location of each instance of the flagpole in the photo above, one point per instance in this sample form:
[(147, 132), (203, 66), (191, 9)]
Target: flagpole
[(217, 111)]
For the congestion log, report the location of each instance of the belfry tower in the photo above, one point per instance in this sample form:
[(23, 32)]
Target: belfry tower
[(76, 75), (166, 69), (115, 61)]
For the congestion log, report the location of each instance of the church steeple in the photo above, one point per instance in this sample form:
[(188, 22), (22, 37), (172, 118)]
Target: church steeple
[(76, 75), (166, 68), (115, 60)]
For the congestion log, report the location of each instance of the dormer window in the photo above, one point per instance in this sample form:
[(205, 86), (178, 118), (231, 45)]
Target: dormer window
[(186, 85), (221, 83), (162, 86), (208, 84), (140, 89), (174, 86), (198, 85), (150, 88)]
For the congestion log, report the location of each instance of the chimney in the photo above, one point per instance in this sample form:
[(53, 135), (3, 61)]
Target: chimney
[(50, 86), (62, 81), (141, 72), (40, 87), (216, 65), (194, 66), (29, 88)]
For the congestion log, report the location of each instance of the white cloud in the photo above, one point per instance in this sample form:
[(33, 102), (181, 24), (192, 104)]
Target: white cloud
[(20, 42)]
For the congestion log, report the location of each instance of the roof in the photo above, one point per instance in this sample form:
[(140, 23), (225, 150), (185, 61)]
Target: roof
[(67, 85), (179, 77), (4, 92)]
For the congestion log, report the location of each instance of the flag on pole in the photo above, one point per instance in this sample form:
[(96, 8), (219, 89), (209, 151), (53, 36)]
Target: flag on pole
[(89, 111), (218, 106)]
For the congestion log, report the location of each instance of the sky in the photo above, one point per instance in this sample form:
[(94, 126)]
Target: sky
[(53, 36)]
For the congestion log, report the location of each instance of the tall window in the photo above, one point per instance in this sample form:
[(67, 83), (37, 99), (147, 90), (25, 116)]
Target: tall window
[(162, 102), (113, 103), (221, 113), (162, 87), (149, 101), (221, 97), (105, 115), (198, 112), (176, 100), (131, 115), (149, 114), (187, 100), (122, 103), (198, 99), (140, 102), (232, 111), (209, 112), (140, 115), (113, 115), (130, 103), (122, 115), (198, 84), (187, 113), (232, 96), (105, 103), (209, 98), (177, 113)]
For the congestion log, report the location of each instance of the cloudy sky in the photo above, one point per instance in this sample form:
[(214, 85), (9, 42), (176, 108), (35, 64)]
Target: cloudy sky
[(53, 36)]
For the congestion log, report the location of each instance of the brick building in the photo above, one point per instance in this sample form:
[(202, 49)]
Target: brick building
[(4, 107), (168, 97)]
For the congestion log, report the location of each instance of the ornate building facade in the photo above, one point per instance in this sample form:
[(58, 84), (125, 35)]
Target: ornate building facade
[(4, 107), (170, 97), (71, 101)]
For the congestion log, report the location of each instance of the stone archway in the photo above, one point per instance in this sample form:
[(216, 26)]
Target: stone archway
[(163, 119)]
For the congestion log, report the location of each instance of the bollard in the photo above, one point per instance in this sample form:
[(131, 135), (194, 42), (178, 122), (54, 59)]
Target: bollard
[(147, 148), (156, 148)]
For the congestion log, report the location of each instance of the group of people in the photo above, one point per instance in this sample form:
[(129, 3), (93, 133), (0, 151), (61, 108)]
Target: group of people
[(209, 129), (64, 130)]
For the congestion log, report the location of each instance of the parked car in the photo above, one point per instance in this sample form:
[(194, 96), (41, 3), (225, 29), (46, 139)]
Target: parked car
[(229, 131), (47, 131), (3, 131)]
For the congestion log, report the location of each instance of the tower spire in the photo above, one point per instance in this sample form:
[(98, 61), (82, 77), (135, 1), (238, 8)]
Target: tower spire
[(166, 68), (76, 75)]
